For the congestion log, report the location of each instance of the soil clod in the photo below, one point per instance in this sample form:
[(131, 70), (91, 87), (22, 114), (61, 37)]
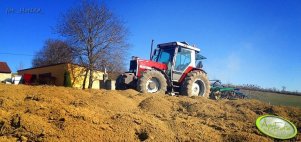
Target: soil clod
[(143, 135), (16, 121), (1, 102)]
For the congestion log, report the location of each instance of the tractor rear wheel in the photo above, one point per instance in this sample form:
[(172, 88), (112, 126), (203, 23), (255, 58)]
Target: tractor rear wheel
[(152, 81), (196, 83)]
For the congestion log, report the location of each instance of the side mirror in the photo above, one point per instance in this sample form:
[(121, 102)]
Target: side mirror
[(200, 57)]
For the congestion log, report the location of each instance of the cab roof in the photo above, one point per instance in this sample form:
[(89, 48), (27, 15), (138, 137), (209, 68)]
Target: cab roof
[(176, 43)]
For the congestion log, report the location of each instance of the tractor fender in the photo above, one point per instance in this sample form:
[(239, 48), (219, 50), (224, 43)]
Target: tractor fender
[(188, 70), (199, 69)]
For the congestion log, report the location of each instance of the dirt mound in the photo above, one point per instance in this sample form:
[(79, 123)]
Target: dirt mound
[(45, 113), (156, 104), (113, 101)]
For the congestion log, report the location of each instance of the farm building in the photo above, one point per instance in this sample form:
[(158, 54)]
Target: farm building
[(57, 74), (5, 72)]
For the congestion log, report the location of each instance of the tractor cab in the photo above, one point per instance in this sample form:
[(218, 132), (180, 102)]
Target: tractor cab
[(178, 57)]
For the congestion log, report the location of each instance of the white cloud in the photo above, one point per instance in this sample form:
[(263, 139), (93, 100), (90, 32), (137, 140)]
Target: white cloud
[(233, 62), (229, 68)]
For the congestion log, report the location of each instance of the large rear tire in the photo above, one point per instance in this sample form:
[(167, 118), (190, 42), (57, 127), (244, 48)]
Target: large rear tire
[(152, 81), (119, 84), (196, 83)]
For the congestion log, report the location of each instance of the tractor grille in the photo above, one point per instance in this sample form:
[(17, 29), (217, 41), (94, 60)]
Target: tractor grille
[(133, 66)]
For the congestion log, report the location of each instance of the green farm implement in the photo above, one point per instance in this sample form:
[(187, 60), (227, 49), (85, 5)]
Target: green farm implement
[(219, 91)]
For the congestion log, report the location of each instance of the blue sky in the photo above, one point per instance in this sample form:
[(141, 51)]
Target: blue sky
[(245, 41)]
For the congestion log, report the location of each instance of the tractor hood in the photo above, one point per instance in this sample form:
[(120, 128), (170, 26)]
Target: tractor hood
[(143, 65), (148, 64)]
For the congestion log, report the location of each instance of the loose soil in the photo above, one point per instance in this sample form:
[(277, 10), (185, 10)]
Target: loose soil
[(46, 113)]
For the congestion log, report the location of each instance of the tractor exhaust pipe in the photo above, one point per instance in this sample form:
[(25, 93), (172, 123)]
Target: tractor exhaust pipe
[(151, 51)]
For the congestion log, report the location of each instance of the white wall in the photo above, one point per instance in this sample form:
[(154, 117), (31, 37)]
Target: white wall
[(5, 76)]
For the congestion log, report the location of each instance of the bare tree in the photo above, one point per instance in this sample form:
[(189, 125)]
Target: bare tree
[(21, 66), (54, 52), (283, 89), (95, 33), (113, 60)]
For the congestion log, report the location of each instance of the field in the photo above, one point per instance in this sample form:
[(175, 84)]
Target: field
[(274, 98), (46, 113)]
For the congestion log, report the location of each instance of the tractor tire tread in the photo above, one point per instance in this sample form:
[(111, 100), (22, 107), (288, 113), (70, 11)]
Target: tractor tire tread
[(141, 87), (190, 79), (119, 85)]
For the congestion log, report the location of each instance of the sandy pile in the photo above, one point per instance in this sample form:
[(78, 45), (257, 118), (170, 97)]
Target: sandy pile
[(45, 113)]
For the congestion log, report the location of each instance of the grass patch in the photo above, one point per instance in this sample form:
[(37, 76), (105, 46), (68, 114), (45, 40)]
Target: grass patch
[(274, 98)]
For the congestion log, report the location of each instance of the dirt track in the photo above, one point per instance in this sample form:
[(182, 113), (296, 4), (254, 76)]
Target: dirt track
[(46, 113)]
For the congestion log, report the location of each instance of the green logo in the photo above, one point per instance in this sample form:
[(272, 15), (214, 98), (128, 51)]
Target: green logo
[(276, 127)]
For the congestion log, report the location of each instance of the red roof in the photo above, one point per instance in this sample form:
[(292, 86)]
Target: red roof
[(4, 68)]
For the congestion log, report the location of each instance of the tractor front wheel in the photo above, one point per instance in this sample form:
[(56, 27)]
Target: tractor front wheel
[(119, 84), (196, 83), (152, 81)]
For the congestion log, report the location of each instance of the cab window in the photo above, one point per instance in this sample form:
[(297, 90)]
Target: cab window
[(183, 59), (165, 56)]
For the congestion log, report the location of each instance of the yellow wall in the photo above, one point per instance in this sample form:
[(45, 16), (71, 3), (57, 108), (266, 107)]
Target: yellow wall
[(77, 74), (5, 76)]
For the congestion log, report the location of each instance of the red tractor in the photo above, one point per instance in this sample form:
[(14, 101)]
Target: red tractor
[(174, 67)]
